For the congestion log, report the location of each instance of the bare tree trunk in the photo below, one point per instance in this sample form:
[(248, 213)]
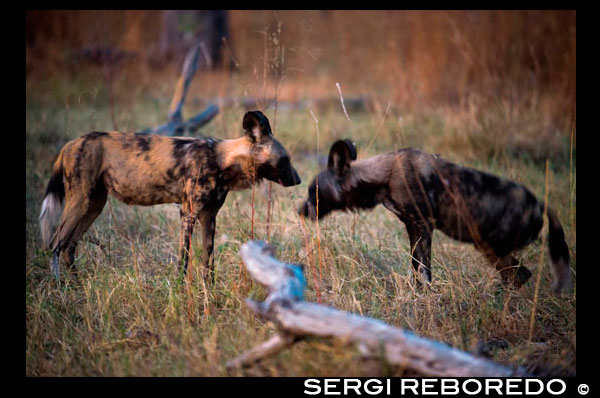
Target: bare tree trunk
[(184, 29)]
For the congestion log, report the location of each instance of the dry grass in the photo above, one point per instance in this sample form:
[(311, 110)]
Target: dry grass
[(126, 314)]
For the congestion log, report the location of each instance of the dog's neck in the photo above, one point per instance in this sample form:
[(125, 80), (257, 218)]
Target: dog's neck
[(234, 151), (237, 163), (368, 182), (373, 170)]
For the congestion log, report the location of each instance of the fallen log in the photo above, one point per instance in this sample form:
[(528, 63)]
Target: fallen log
[(296, 318)]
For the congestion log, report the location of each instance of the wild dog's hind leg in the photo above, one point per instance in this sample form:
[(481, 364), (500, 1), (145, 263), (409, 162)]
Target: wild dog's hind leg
[(54, 266), (72, 215), (69, 260), (95, 206), (522, 274), (420, 246), (70, 257), (508, 266), (80, 212)]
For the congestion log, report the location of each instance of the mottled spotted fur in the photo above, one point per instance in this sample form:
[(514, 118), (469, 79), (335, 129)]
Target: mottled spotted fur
[(144, 169), (427, 192)]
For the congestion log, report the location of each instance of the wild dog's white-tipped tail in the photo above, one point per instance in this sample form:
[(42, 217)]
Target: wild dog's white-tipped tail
[(51, 207), (559, 253), (49, 216)]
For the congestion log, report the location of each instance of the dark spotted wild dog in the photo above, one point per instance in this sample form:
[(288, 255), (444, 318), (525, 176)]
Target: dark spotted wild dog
[(427, 192), (144, 169)]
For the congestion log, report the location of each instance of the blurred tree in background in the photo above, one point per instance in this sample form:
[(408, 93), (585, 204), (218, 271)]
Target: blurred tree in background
[(422, 54), (183, 29), (109, 36)]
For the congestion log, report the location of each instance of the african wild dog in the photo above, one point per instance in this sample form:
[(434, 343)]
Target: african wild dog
[(145, 169), (426, 192)]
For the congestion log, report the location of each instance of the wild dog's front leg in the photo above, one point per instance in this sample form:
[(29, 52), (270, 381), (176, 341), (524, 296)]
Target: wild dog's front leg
[(420, 247), (208, 222), (188, 219)]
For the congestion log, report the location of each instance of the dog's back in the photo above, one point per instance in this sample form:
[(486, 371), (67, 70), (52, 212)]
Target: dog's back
[(498, 215)]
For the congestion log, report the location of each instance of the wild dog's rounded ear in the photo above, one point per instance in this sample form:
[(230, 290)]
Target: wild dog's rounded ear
[(256, 125), (352, 147), (342, 152)]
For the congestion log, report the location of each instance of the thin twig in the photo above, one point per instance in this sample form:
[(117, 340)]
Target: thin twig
[(342, 100), (541, 263), (571, 184), (319, 255), (378, 129), (252, 203)]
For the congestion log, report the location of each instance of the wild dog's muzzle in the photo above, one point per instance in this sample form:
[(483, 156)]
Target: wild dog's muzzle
[(290, 179)]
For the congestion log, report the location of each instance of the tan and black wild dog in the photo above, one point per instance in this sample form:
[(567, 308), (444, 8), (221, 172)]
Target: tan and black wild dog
[(427, 192), (146, 169)]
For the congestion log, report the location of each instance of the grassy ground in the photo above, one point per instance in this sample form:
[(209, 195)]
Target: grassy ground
[(126, 315)]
